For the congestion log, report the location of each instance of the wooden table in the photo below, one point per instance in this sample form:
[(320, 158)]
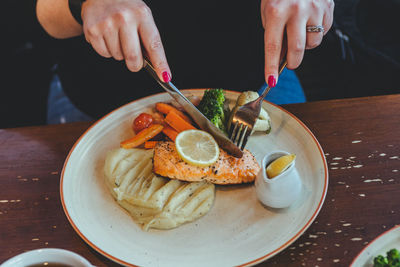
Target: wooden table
[(361, 139)]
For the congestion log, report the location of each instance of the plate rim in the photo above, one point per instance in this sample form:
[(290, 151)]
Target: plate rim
[(372, 242), (249, 263)]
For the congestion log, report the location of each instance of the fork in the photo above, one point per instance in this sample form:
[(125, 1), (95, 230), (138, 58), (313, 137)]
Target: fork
[(246, 116)]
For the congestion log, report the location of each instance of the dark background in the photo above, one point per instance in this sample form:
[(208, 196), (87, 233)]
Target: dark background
[(364, 62), (358, 57)]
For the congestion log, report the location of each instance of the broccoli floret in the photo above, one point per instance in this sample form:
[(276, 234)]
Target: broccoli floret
[(380, 261), (212, 106), (393, 257), (217, 94)]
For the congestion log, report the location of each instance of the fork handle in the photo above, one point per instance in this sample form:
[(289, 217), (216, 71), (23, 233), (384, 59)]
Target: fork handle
[(281, 68)]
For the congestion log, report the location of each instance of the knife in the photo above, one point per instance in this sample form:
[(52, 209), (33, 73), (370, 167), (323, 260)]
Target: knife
[(205, 124)]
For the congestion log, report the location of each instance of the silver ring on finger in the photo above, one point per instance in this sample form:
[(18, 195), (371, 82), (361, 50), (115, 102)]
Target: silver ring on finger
[(315, 28)]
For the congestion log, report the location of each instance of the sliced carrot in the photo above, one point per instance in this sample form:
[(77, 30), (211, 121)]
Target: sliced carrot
[(150, 144), (158, 118), (166, 108), (142, 136), (177, 122), (170, 132)]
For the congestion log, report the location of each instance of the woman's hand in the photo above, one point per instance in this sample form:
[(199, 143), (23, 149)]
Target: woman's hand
[(125, 30), (287, 20)]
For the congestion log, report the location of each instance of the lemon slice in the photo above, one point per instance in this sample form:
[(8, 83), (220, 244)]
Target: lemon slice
[(279, 165), (197, 147)]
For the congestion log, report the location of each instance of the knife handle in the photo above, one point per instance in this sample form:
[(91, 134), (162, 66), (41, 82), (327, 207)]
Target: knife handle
[(169, 87)]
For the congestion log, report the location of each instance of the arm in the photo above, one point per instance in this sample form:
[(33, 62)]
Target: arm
[(56, 19), (122, 29)]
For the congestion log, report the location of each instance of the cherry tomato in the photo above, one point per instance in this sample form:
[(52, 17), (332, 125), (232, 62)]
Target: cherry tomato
[(142, 121)]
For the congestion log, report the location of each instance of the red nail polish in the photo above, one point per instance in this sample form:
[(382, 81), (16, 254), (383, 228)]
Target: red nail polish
[(271, 81), (166, 76)]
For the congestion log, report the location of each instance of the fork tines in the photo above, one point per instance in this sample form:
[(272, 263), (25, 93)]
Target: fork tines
[(239, 134)]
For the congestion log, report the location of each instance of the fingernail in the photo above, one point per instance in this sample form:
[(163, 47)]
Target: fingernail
[(271, 81), (166, 76)]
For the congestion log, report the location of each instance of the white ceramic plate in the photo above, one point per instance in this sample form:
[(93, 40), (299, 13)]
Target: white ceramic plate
[(379, 246), (238, 230)]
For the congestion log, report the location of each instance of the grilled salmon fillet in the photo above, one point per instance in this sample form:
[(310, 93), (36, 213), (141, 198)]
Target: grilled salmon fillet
[(226, 170)]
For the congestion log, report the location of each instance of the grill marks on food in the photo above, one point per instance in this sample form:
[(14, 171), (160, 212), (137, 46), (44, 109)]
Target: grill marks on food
[(153, 201)]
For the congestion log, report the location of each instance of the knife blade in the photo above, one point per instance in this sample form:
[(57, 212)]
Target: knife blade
[(205, 124)]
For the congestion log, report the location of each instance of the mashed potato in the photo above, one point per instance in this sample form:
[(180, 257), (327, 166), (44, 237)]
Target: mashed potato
[(154, 201)]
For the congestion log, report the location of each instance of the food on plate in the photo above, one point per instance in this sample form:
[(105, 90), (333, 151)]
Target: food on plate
[(164, 175), (167, 121), (143, 136), (392, 259), (263, 123), (174, 120), (165, 108), (226, 170), (197, 147), (214, 107), (153, 201), (150, 144), (170, 132), (144, 120), (279, 165)]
